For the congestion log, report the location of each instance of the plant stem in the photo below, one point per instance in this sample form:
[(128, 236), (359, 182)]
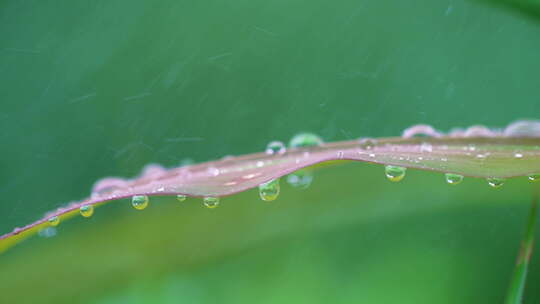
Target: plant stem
[(517, 285)]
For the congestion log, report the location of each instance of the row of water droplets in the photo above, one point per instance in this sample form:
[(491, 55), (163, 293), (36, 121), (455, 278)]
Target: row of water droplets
[(269, 191), (522, 128)]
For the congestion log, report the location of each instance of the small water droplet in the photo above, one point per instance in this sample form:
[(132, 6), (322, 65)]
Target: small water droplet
[(47, 232), (371, 155), (305, 140), (518, 155), (481, 156), (453, 179), (211, 202), (86, 210), (367, 143), (269, 191), (340, 154), (420, 131), (300, 179), (181, 197), (534, 177), (139, 202), (426, 147), (213, 171), (275, 148), (54, 221), (495, 182), (394, 173)]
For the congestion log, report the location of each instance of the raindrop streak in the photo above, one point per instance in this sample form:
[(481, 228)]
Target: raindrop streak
[(87, 210), (534, 177), (139, 202), (211, 202), (181, 197), (394, 173), (275, 148), (496, 182), (54, 221), (269, 191), (453, 179)]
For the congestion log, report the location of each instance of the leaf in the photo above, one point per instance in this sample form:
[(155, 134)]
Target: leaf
[(475, 152)]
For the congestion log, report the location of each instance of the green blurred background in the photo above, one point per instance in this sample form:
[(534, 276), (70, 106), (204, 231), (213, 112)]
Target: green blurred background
[(100, 88)]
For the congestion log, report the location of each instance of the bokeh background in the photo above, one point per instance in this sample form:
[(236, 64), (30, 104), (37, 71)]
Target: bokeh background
[(101, 88)]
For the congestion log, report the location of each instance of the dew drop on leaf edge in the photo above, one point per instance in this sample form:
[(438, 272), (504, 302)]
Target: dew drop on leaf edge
[(453, 179), (139, 202), (211, 202), (394, 173), (495, 182), (54, 221), (300, 179), (275, 148), (269, 191), (86, 210), (534, 177), (305, 140), (181, 197)]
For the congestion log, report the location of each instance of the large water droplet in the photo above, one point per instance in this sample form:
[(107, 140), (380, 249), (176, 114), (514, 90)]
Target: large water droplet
[(269, 191), (211, 202), (305, 140), (86, 210), (534, 177), (54, 221), (523, 128), (394, 173), (181, 197), (139, 202), (275, 148), (453, 179), (301, 179), (495, 182)]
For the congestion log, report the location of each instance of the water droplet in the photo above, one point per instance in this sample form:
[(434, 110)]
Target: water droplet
[(211, 202), (213, 171), (523, 128), (421, 130), (305, 140), (54, 221), (300, 179), (86, 210), (479, 131), (481, 156), (453, 179), (47, 232), (534, 177), (340, 154), (139, 202), (367, 143), (269, 191), (275, 148), (518, 155), (394, 173), (496, 182), (426, 147), (181, 197)]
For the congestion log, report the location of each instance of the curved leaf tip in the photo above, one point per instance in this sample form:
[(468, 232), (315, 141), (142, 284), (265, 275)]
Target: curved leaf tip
[(477, 151)]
